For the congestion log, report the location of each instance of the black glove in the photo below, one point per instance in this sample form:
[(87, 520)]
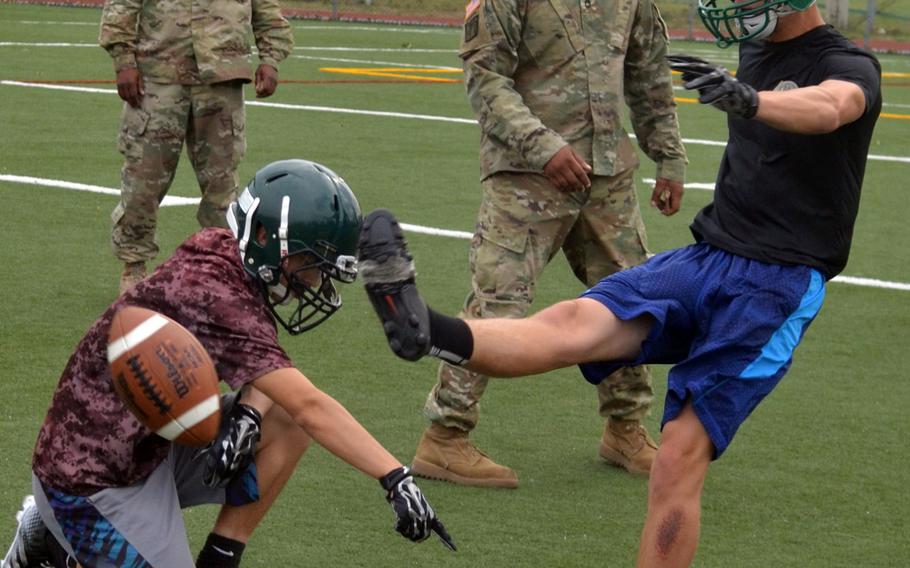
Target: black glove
[(232, 451), (416, 518), (715, 85)]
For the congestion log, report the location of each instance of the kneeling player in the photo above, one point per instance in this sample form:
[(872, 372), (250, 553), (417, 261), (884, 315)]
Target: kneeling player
[(108, 491)]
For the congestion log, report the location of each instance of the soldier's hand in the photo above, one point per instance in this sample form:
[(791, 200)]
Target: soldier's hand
[(567, 170), (129, 86), (667, 196), (266, 81)]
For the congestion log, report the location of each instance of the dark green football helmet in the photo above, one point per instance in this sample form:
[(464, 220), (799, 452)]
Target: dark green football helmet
[(290, 208), (742, 20)]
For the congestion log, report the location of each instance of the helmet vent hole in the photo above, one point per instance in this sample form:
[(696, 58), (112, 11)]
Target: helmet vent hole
[(273, 178)]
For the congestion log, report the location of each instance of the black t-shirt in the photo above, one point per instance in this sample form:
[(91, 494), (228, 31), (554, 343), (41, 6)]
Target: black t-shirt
[(786, 198)]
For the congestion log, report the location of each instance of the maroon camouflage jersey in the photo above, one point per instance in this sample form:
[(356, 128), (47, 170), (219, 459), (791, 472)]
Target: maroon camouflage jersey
[(90, 440)]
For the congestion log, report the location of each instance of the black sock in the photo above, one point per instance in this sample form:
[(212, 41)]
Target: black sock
[(220, 552), (451, 338)]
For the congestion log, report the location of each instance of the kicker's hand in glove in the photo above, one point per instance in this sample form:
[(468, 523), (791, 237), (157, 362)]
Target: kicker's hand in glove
[(416, 518), (715, 85), (234, 448)]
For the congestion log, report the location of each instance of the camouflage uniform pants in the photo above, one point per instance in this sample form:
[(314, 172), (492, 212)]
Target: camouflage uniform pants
[(210, 118), (523, 222)]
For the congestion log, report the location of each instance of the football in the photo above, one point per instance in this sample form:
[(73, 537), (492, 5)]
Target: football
[(164, 376)]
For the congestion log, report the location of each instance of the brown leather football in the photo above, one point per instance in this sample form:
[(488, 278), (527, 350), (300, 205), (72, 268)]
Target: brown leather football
[(164, 376)]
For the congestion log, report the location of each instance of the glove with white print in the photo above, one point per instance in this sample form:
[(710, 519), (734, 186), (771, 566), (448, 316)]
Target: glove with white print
[(416, 518), (715, 85), (234, 448)]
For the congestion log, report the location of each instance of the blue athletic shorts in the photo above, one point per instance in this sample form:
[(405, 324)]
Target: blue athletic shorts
[(729, 325)]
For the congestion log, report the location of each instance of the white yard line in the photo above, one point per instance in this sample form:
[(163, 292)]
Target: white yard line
[(373, 62), (47, 23), (314, 108), (410, 30), (374, 49), (169, 200), (689, 185), (45, 44), (434, 231)]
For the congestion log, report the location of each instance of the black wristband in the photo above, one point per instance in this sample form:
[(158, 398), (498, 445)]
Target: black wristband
[(394, 477)]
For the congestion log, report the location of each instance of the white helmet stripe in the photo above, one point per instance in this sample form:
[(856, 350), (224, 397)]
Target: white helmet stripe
[(242, 203), (245, 199), (247, 228), (231, 217), (283, 229)]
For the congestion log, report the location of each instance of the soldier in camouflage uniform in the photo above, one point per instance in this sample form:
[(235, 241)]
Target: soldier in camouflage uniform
[(181, 66), (546, 80)]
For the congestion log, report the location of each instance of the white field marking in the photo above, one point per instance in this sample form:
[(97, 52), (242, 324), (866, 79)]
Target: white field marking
[(690, 185), (48, 44), (364, 112), (437, 232), (414, 30), (297, 47), (168, 201), (135, 337), (190, 418), (856, 281), (58, 87), (375, 49), (693, 141), (370, 62), (57, 23)]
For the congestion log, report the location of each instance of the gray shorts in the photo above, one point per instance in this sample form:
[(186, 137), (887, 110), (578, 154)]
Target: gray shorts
[(136, 526)]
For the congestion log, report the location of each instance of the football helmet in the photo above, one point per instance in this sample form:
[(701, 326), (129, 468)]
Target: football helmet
[(293, 217), (742, 20)]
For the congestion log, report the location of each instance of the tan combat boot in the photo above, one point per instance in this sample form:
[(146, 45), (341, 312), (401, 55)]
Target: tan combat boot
[(133, 273), (627, 444), (447, 454)]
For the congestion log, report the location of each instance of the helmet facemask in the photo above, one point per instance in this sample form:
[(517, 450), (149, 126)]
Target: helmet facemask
[(742, 21), (307, 277)]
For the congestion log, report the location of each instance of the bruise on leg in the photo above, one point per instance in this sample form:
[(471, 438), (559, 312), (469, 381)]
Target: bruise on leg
[(668, 531)]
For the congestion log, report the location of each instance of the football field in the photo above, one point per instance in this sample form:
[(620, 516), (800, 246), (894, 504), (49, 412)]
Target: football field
[(817, 477)]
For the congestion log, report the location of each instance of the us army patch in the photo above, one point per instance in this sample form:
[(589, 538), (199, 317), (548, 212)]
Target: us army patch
[(471, 27)]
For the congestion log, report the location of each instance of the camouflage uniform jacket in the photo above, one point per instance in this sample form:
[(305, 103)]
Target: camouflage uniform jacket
[(193, 42), (543, 73)]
